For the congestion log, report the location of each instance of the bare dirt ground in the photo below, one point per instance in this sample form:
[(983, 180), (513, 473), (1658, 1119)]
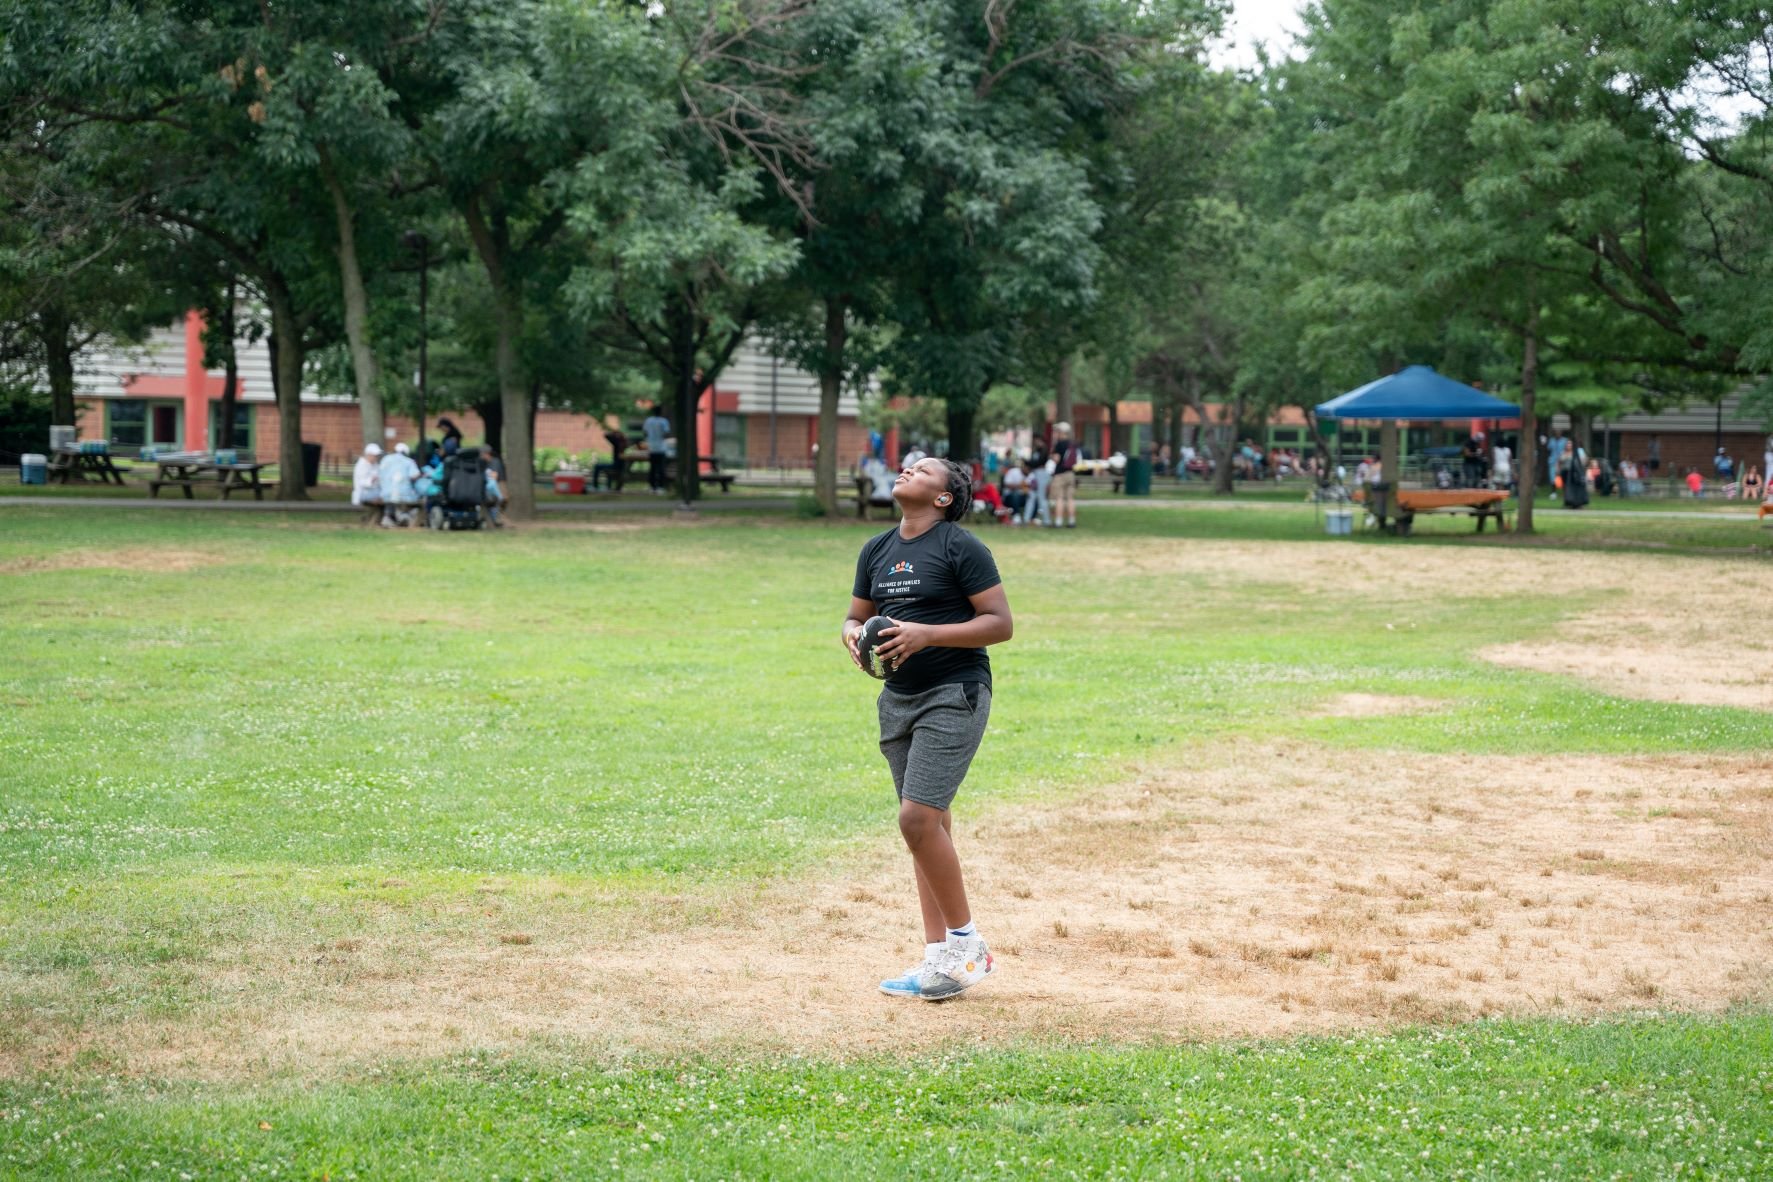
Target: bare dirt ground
[(1261, 890), (131, 558), (1703, 640), (1687, 629), (1285, 890)]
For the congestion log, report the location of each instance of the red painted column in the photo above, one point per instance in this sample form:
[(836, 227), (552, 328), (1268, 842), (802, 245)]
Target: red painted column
[(196, 386), (892, 449), (705, 427)]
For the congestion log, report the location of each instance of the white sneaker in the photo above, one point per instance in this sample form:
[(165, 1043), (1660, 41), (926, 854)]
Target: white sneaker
[(962, 964)]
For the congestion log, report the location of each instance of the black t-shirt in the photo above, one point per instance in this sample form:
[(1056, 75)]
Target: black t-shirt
[(928, 580)]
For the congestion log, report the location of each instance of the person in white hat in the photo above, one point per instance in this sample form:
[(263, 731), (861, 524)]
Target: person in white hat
[(399, 476), (1064, 486), (366, 481)]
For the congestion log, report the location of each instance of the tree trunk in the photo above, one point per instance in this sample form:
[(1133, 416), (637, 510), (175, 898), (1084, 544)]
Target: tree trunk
[(1224, 473), (230, 367), (688, 389), (363, 358), (1527, 463), (492, 417), (57, 330), (830, 386), (1322, 443), (519, 449), (286, 379), (963, 435), (1062, 394)]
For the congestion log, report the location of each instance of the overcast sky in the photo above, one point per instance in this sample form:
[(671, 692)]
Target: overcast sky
[(1252, 21)]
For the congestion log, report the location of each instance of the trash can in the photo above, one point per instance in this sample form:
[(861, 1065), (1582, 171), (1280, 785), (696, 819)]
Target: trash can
[(1379, 500), (310, 464), (33, 468), (1136, 480)]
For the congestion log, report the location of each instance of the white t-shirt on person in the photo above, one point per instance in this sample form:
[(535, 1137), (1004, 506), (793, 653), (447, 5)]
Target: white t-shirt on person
[(1503, 459), (366, 481)]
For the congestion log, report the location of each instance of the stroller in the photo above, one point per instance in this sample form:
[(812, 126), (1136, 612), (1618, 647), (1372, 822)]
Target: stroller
[(463, 493)]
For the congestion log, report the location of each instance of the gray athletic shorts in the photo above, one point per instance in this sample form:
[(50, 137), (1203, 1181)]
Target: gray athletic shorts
[(929, 739)]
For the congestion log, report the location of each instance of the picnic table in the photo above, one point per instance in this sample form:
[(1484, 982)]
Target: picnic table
[(68, 463), (1481, 503), (865, 497), (187, 470), (635, 464)]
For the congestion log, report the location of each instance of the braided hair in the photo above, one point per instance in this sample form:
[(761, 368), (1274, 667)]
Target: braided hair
[(960, 487)]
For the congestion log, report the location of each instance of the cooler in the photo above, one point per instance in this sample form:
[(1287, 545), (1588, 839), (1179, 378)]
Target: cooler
[(33, 469), (569, 482)]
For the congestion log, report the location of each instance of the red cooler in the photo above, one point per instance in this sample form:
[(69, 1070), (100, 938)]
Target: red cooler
[(569, 482)]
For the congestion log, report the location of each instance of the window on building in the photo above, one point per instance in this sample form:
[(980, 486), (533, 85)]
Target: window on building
[(126, 422), (241, 436), (729, 438)]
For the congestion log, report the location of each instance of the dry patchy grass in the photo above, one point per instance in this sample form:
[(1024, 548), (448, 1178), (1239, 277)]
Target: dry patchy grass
[(146, 559), (1320, 894)]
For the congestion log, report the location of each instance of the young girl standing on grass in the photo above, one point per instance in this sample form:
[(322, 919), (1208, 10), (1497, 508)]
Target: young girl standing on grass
[(939, 585)]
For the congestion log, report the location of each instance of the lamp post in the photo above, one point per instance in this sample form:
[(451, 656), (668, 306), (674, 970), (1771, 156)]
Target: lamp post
[(415, 240)]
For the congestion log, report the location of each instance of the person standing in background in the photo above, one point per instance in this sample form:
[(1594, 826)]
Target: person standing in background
[(1063, 489), (1502, 465), (656, 428)]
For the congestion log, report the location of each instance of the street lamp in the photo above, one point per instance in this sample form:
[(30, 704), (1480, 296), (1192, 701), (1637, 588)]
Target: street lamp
[(416, 240)]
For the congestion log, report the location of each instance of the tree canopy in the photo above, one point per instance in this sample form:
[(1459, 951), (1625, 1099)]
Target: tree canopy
[(1569, 199)]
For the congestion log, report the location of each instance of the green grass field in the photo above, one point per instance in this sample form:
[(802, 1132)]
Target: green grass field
[(268, 732)]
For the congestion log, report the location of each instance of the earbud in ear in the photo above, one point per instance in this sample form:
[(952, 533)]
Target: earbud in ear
[(944, 499)]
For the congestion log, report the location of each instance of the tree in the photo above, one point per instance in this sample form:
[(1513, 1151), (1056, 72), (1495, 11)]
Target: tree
[(1477, 159), (679, 249), (878, 106)]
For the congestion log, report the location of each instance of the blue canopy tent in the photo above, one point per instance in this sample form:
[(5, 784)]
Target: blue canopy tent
[(1413, 394), (1416, 394)]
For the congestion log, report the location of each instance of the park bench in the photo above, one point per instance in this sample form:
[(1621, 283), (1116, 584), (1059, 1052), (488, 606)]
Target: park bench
[(1482, 504), (1094, 480), (69, 463), (634, 465), (191, 470), (863, 492)]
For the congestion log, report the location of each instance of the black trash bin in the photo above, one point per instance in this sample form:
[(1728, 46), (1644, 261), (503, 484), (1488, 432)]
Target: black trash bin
[(310, 464), (1379, 500), (1136, 480)]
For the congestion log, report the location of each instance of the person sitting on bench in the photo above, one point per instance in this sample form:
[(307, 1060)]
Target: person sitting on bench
[(366, 482)]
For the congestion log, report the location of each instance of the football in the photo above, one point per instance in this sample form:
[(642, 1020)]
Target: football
[(872, 663)]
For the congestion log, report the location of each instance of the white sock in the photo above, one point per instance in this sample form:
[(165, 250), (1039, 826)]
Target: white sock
[(930, 950), (963, 932)]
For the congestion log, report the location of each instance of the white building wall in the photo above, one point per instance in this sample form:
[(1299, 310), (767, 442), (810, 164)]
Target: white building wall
[(754, 374)]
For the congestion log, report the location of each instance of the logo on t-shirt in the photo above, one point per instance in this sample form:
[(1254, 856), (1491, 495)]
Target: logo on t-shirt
[(900, 568)]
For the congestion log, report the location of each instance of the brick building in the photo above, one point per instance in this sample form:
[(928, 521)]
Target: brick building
[(1689, 437), (761, 411)]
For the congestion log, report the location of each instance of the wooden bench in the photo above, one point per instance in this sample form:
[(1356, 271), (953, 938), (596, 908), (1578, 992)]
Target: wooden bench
[(1095, 480), (864, 494), (189, 473), (1483, 504), (68, 464), (637, 465)]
